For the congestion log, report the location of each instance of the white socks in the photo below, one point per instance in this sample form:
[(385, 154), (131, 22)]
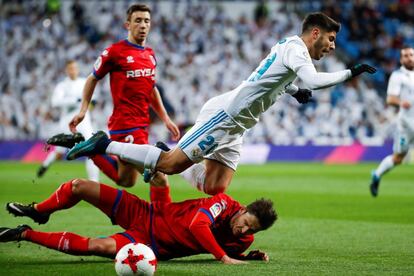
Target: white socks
[(141, 155), (195, 175), (386, 164), (51, 157), (92, 170)]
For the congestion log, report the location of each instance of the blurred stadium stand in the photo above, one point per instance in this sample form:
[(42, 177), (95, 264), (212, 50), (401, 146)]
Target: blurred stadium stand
[(204, 48)]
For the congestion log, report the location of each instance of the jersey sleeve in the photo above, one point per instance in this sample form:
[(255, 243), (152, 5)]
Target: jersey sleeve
[(394, 85), (213, 209), (104, 63), (297, 59)]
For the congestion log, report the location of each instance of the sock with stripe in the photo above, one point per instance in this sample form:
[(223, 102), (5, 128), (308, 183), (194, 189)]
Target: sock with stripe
[(66, 242), (62, 198)]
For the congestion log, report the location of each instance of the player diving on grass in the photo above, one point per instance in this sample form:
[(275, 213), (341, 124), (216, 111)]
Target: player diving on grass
[(217, 134), (218, 225), (401, 95), (131, 66)]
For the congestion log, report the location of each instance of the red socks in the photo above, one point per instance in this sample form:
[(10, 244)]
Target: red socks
[(62, 241), (61, 199), (160, 194), (108, 165)]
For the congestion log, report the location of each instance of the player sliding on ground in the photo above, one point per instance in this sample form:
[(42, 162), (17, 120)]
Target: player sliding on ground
[(218, 225), (217, 135)]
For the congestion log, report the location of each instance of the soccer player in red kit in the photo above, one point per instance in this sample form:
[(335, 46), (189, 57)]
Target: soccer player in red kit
[(131, 66), (218, 225)]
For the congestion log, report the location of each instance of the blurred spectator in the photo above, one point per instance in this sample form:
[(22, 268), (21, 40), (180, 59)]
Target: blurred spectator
[(202, 51)]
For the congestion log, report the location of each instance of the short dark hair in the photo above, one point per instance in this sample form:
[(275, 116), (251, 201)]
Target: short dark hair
[(70, 61), (406, 47), (320, 20), (137, 7), (263, 210)]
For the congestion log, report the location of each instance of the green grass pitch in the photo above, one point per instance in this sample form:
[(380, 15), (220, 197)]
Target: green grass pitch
[(328, 222)]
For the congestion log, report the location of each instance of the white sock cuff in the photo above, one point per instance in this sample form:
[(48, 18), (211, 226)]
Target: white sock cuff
[(152, 157)]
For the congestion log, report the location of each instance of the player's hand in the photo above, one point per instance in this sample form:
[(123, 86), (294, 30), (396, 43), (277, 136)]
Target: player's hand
[(230, 261), (361, 68), (405, 105), (303, 95), (257, 255), (173, 128), (76, 120)]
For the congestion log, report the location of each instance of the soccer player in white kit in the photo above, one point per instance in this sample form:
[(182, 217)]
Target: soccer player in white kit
[(67, 96), (217, 135), (400, 93)]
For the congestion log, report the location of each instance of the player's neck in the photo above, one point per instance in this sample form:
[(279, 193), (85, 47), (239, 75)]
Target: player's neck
[(133, 41), (308, 42)]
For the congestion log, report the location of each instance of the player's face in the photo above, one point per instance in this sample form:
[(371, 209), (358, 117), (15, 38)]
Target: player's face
[(407, 58), (244, 224), (324, 43), (72, 70), (139, 25)]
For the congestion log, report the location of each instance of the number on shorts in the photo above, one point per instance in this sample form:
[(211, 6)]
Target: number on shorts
[(208, 144)]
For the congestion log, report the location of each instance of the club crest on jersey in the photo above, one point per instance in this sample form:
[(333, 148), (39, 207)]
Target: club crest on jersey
[(98, 63), (130, 59), (216, 209), (105, 53), (153, 60)]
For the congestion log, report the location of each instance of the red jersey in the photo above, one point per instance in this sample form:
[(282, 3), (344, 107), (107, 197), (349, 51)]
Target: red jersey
[(132, 79), (196, 226)]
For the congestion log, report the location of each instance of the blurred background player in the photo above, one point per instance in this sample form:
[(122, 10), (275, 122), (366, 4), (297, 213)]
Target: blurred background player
[(66, 97), (131, 66), (218, 225), (401, 95), (217, 135)]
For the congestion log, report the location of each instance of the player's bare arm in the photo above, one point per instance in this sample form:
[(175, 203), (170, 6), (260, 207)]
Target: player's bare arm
[(88, 90), (158, 106)]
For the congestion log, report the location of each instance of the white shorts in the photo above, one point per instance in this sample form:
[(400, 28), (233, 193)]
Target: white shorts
[(214, 136), (404, 137)]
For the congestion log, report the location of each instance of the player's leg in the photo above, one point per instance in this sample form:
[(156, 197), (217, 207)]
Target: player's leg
[(127, 174), (54, 155), (66, 242), (400, 149)]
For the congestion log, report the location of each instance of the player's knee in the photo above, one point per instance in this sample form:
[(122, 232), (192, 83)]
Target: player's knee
[(126, 182), (78, 185), (398, 159), (101, 248), (213, 190)]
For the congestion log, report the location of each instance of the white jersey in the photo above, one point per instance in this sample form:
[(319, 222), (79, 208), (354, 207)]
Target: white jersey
[(267, 83), (67, 96), (401, 85)]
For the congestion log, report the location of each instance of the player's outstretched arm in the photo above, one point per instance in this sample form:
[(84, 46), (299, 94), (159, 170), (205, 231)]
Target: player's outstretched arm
[(88, 90), (358, 69)]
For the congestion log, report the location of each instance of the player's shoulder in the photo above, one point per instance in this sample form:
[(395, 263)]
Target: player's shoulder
[(114, 48), (397, 74)]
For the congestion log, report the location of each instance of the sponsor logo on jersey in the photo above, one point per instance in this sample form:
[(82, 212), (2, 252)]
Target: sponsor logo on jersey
[(130, 59), (146, 72), (216, 209), (98, 63)]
